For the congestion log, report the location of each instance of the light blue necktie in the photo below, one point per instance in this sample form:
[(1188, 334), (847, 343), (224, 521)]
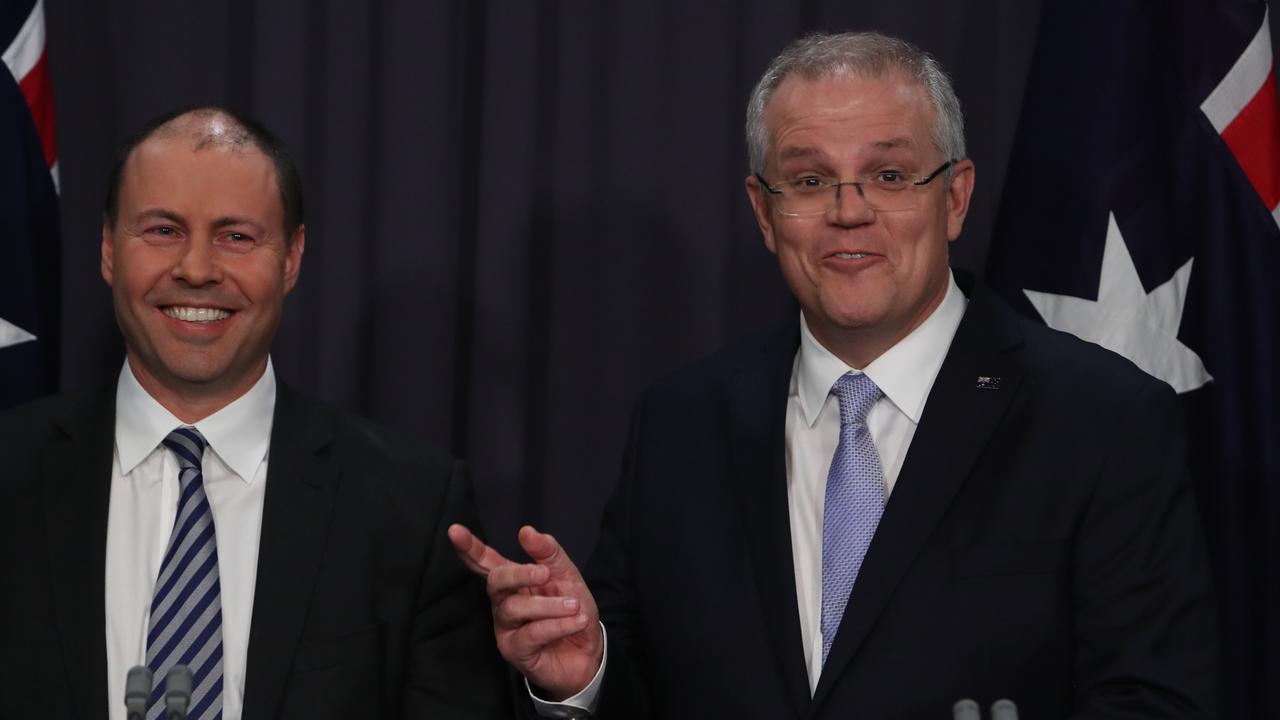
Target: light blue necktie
[(186, 611), (854, 501)]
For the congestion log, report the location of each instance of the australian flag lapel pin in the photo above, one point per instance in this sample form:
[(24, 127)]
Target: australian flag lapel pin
[(987, 382)]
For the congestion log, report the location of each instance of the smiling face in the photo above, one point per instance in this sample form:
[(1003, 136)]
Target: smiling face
[(864, 279), (198, 267)]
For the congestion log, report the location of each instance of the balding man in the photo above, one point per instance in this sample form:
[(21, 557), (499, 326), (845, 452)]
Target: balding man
[(907, 497), (292, 557)]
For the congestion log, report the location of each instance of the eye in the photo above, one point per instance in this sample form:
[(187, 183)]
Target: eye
[(236, 241), (162, 232), (809, 183), (890, 177), (234, 237)]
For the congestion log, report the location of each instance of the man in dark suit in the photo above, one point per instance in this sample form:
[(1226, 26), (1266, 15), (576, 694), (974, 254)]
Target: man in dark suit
[(291, 556), (909, 497)]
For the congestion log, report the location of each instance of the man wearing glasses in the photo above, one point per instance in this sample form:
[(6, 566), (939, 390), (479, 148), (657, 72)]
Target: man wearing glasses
[(909, 497)]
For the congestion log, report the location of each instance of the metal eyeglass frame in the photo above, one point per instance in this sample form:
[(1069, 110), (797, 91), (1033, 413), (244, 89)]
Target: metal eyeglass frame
[(856, 183)]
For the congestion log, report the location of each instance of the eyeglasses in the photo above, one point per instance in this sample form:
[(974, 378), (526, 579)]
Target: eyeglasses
[(883, 190)]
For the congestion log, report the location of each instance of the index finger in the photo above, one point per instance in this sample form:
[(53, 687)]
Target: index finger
[(478, 557)]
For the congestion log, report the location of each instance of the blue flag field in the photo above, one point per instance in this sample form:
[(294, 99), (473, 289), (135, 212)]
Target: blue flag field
[(1140, 212), (29, 237)]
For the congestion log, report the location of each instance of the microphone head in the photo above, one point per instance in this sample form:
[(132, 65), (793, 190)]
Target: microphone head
[(1004, 710), (137, 690), (177, 690), (965, 709)]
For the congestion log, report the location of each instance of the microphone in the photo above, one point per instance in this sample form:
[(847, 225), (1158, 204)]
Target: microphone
[(965, 709), (137, 691), (177, 692), (1004, 709)]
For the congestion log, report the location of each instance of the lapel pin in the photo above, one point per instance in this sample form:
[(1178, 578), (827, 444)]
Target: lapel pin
[(987, 382)]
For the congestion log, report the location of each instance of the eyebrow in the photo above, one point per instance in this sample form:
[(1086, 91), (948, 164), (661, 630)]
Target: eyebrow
[(230, 220), (161, 214), (802, 152), (893, 143)]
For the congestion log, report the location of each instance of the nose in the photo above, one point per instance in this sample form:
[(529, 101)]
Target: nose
[(198, 264), (851, 206)]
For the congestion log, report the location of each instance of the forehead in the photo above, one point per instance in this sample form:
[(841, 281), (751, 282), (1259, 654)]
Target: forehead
[(889, 112), (178, 171)]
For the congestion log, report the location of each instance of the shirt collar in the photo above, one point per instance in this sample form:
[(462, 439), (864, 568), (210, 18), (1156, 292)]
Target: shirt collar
[(904, 373), (239, 433)]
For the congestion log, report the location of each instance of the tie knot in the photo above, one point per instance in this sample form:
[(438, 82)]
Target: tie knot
[(857, 393), (188, 444)]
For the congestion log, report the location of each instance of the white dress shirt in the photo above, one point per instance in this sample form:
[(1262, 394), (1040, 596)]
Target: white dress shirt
[(905, 374), (144, 505)]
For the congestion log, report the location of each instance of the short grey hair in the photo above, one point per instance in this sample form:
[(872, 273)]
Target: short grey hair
[(869, 54)]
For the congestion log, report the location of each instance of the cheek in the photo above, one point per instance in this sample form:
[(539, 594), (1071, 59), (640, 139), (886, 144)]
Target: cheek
[(129, 287), (257, 275), (795, 244), (138, 268), (264, 287), (910, 245)]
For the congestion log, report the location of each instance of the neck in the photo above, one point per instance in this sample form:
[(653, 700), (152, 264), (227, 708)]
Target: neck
[(192, 402), (856, 347)]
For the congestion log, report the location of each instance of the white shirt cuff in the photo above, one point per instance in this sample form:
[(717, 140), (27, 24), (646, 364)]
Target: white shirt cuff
[(584, 703)]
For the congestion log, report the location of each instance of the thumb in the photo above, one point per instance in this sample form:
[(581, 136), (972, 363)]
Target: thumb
[(544, 550)]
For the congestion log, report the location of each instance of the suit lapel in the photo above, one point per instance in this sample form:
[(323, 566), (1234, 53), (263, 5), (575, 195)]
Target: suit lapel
[(76, 474), (962, 412), (301, 479), (757, 406)]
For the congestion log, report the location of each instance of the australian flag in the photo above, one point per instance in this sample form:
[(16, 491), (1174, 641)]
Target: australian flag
[(29, 238), (1140, 212)]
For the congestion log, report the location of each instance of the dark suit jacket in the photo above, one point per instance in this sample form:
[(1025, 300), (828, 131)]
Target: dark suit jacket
[(361, 608), (1041, 544)]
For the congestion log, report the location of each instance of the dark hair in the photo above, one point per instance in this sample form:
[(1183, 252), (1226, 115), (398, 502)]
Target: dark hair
[(288, 179)]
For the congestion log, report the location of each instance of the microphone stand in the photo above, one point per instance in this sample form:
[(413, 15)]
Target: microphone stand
[(967, 709), (137, 691), (177, 692)]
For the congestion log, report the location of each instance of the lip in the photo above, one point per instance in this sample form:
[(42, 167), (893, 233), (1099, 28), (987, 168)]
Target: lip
[(849, 255), (201, 317)]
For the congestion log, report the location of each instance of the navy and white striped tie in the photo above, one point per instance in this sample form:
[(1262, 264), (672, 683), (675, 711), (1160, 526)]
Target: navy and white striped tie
[(186, 611)]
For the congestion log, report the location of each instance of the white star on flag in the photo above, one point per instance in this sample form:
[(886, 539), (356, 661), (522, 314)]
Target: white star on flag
[(11, 334), (1127, 320)]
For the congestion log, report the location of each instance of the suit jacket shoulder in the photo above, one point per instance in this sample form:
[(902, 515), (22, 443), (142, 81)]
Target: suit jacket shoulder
[(25, 428), (1059, 358), (384, 459)]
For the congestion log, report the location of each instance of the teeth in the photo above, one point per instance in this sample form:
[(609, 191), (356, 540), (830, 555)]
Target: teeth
[(193, 314), (851, 256)]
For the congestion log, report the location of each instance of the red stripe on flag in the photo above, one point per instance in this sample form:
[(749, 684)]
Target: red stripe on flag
[(1254, 138), (39, 93)]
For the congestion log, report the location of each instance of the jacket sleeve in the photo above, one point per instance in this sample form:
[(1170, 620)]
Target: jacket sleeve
[(1145, 623)]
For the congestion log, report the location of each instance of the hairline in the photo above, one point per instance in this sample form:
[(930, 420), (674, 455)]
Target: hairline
[(864, 54), (245, 133)]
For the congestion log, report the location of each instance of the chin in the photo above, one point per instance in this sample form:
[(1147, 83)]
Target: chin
[(852, 316), (199, 370)]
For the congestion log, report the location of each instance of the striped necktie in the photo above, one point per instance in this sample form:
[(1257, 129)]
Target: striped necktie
[(186, 611), (854, 501)]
